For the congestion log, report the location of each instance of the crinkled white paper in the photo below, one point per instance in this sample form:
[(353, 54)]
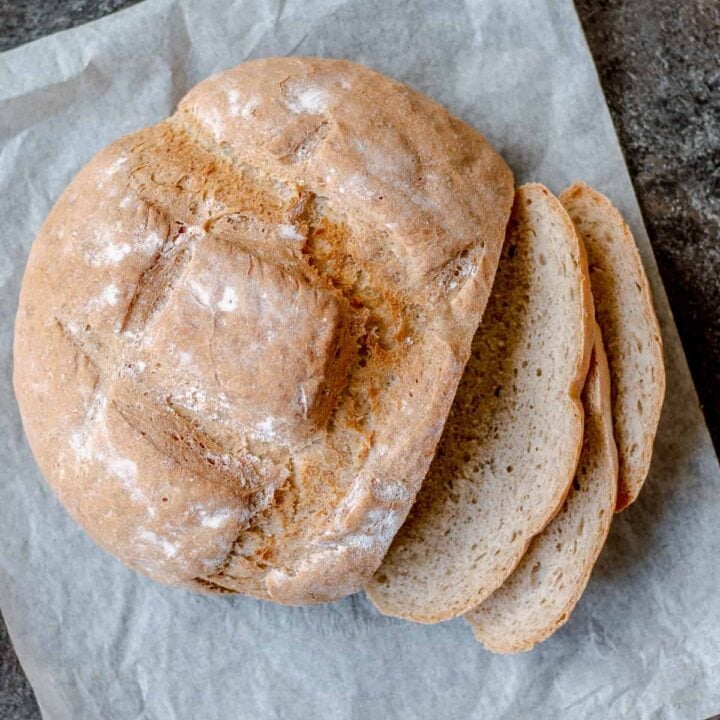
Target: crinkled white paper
[(98, 641)]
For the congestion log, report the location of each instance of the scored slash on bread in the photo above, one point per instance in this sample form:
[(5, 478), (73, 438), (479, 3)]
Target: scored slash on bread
[(512, 441), (631, 332), (547, 584)]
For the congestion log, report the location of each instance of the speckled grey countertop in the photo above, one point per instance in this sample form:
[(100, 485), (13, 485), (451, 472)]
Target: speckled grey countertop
[(658, 64)]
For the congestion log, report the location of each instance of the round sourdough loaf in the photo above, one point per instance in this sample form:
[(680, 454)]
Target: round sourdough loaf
[(240, 330)]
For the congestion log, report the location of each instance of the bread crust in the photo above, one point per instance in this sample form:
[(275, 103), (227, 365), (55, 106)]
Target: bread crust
[(334, 229), (627, 318)]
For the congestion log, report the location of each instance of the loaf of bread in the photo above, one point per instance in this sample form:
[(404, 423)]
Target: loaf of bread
[(511, 444), (240, 330), (543, 590), (625, 313)]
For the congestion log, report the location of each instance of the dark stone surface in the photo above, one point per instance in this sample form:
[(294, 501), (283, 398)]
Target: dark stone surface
[(658, 64), (24, 20), (17, 701)]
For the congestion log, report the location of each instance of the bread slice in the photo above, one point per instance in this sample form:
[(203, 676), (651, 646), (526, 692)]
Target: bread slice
[(631, 332), (511, 445), (547, 584)]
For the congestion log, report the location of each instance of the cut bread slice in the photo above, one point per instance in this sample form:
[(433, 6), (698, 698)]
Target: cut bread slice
[(511, 445), (547, 584), (630, 329)]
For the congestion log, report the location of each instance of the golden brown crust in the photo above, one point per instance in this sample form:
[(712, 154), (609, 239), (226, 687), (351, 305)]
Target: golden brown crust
[(335, 231), (388, 156)]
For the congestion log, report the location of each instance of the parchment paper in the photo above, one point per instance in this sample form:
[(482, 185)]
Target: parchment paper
[(98, 641)]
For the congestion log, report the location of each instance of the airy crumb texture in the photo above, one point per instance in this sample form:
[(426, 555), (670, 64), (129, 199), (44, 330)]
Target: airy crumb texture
[(631, 332), (547, 584), (512, 441), (240, 330)]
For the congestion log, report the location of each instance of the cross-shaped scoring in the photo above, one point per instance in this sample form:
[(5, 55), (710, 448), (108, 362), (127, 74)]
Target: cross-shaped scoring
[(208, 341)]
